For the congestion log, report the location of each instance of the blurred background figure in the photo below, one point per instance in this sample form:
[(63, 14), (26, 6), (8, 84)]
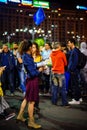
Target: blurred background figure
[(21, 71), (16, 75), (15, 48), (5, 111), (3, 104), (83, 72), (7, 79), (46, 74)]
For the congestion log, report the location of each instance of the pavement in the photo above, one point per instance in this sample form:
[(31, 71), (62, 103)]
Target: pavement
[(51, 117)]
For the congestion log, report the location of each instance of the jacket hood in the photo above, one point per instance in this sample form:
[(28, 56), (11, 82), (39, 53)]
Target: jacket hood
[(83, 46), (55, 52)]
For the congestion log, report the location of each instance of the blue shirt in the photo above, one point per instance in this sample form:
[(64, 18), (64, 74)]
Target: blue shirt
[(46, 54)]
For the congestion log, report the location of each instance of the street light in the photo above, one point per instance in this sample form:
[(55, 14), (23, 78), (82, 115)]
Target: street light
[(32, 32), (78, 39)]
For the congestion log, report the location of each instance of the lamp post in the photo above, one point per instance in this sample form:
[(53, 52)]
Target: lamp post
[(78, 40), (8, 38), (32, 32)]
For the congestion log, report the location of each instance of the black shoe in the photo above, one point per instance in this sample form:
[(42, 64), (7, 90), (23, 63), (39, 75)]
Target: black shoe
[(66, 106), (37, 108), (54, 104)]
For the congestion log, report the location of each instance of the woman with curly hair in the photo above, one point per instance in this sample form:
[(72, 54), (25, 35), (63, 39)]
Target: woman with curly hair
[(32, 89)]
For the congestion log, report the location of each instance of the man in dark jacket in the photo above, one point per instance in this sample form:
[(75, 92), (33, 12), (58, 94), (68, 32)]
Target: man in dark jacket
[(7, 78), (74, 71)]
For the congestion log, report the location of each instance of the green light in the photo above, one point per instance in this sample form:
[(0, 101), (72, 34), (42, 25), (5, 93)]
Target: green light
[(42, 4)]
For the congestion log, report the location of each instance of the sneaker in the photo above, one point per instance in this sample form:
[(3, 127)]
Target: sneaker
[(80, 99), (66, 106), (47, 94), (12, 94), (74, 102), (41, 94), (8, 117)]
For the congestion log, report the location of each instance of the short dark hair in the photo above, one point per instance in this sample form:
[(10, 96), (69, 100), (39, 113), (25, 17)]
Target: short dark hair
[(49, 44), (72, 40)]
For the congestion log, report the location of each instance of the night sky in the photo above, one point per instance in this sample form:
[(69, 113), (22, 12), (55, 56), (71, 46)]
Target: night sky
[(66, 4), (69, 4)]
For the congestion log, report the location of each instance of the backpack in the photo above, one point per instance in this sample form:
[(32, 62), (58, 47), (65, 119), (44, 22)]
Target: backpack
[(82, 60)]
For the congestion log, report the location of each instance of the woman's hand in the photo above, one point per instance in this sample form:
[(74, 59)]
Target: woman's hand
[(40, 69)]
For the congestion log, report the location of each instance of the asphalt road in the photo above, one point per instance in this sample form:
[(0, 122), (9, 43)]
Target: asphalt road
[(51, 117)]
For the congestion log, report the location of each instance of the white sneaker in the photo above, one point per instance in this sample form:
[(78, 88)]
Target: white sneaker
[(74, 102), (10, 116), (80, 100)]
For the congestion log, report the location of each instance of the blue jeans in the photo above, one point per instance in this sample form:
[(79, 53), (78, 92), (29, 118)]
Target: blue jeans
[(67, 76), (57, 89), (22, 77)]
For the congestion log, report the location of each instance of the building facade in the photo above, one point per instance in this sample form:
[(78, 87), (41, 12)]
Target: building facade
[(16, 23)]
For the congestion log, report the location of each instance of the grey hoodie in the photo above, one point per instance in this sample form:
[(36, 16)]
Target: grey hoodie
[(83, 49)]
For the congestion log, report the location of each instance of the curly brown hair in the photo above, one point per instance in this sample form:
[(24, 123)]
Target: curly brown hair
[(37, 48), (24, 46)]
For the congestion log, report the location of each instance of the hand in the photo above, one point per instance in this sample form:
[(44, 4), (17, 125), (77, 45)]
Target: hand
[(40, 69), (2, 69), (45, 67)]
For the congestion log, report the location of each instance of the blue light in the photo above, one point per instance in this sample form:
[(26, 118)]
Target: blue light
[(81, 7), (16, 1), (26, 2), (4, 1)]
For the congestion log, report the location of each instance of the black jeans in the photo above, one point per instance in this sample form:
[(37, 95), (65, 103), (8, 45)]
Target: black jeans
[(46, 82), (75, 88)]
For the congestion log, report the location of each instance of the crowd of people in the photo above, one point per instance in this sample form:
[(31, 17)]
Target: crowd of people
[(51, 70)]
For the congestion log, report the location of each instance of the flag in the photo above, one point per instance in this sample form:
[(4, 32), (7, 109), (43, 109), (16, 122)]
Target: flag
[(39, 16)]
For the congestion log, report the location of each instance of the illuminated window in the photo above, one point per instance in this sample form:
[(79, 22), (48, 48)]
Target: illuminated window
[(81, 18)]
